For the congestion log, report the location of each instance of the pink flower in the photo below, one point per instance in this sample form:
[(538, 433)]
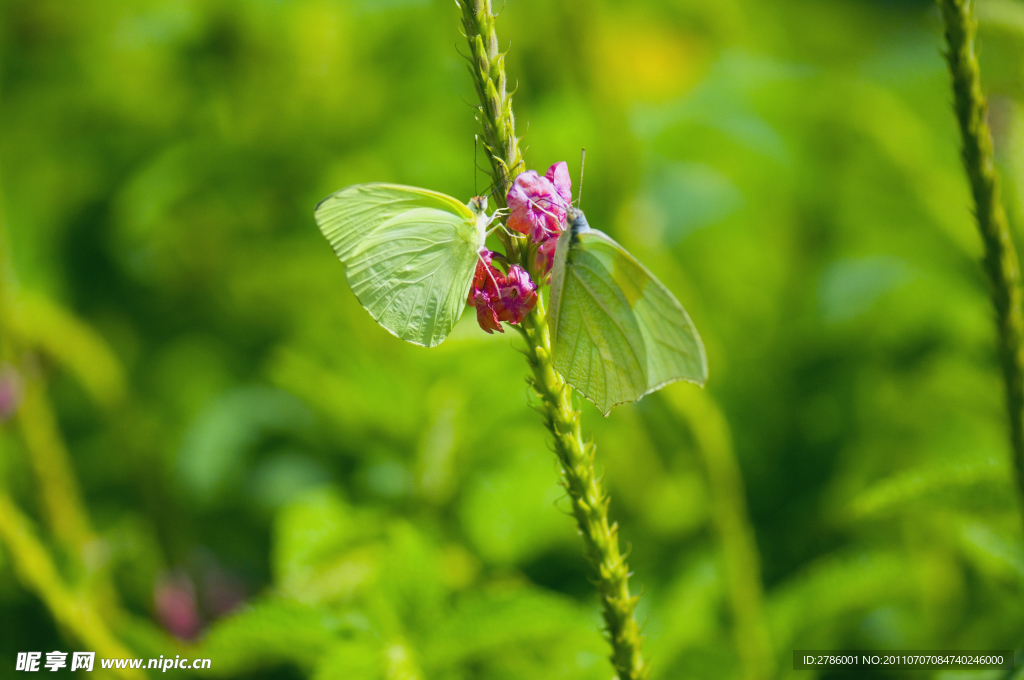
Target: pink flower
[(538, 204), (544, 257), (223, 592), (558, 175), (499, 297), (517, 295), (480, 276), (487, 313), (10, 392), (174, 599), (483, 294)]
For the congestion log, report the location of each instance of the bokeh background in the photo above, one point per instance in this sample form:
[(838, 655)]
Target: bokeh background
[(273, 481)]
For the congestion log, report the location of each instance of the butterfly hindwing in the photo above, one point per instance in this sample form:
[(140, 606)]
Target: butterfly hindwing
[(409, 255), (617, 332), (597, 344)]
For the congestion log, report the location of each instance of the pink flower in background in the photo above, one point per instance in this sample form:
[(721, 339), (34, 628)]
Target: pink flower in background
[(223, 592), (174, 602), (538, 204), (10, 392)]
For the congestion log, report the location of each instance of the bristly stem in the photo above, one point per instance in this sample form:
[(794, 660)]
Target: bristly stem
[(575, 456), (589, 501), (1000, 260), (487, 66)]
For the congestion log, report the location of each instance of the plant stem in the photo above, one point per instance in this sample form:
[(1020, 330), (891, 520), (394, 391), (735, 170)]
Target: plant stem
[(487, 66), (1000, 260), (61, 498), (64, 510), (73, 612), (589, 501), (575, 457)]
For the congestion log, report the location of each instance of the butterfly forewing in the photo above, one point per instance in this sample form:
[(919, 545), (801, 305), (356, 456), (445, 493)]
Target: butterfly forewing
[(617, 332), (409, 255)]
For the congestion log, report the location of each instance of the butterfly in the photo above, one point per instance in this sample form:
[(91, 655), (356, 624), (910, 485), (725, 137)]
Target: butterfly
[(616, 332), (409, 254)]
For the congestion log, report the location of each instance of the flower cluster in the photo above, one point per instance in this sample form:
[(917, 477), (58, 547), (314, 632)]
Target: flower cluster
[(500, 297), (537, 207)]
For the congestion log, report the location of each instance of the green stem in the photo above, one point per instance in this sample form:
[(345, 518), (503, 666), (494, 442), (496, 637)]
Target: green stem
[(487, 66), (73, 612), (589, 501), (729, 509), (575, 457), (1000, 260), (62, 501), (61, 498)]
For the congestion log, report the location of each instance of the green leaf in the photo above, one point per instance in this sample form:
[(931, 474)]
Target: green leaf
[(993, 547), (358, 659), (485, 622), (510, 513), (213, 453), (985, 482), (410, 575), (835, 586), (687, 613), (314, 557), (270, 632)]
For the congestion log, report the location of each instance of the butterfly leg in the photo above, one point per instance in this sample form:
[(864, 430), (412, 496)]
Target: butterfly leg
[(501, 226), (495, 216)]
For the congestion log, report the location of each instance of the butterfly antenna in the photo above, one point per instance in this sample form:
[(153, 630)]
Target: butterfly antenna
[(476, 143), (498, 185), (579, 194)]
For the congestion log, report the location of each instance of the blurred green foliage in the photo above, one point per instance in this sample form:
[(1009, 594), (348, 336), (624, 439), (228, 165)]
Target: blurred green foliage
[(343, 505)]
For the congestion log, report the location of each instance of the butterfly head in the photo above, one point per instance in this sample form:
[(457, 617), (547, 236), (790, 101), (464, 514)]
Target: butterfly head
[(575, 220), (478, 204)]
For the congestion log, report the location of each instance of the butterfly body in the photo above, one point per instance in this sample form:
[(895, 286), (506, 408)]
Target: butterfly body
[(616, 332), (409, 254)]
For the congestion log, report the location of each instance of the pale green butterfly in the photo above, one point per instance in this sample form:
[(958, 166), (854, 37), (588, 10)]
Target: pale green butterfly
[(409, 254), (616, 332)]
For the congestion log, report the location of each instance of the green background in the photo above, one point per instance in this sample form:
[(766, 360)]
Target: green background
[(240, 426)]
